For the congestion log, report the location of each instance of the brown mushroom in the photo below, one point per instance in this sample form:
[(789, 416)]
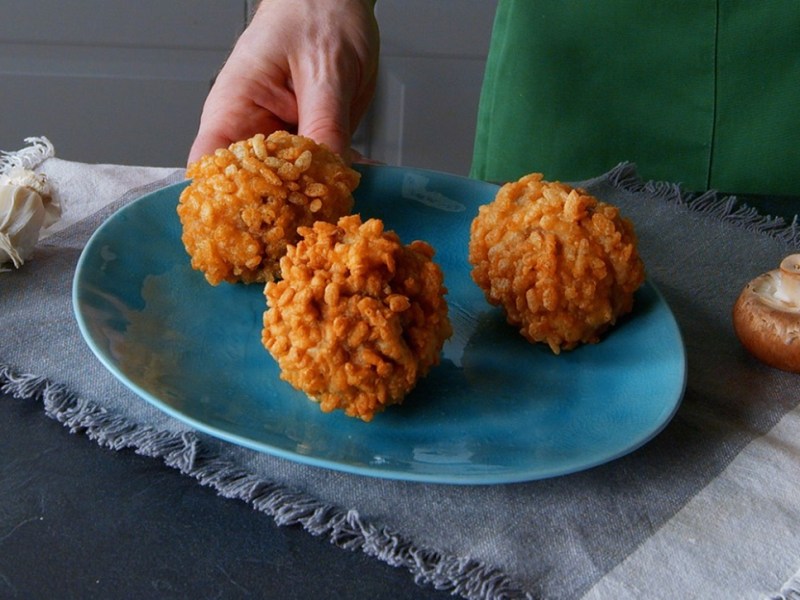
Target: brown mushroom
[(766, 317)]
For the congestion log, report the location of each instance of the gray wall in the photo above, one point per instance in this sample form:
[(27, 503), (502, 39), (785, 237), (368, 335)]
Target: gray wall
[(115, 81)]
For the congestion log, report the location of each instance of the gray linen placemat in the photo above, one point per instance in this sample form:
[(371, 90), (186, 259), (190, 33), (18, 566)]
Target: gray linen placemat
[(555, 538)]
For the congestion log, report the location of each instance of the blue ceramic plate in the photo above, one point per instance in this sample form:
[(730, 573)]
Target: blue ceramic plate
[(497, 409)]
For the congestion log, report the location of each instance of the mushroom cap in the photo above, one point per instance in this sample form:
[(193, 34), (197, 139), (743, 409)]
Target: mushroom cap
[(767, 320)]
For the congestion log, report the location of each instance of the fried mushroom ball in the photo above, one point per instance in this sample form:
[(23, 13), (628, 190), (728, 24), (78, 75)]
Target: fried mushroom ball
[(245, 203), (357, 317), (563, 265)]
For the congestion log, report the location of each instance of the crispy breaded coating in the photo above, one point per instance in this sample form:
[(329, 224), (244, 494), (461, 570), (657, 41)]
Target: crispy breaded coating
[(563, 265), (357, 317), (245, 203)]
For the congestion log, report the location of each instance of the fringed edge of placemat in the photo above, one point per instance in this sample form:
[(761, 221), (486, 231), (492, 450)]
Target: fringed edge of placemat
[(789, 591), (726, 208), (186, 452), (35, 153)]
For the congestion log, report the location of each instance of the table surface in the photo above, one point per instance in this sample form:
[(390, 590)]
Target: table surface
[(78, 520), (62, 533)]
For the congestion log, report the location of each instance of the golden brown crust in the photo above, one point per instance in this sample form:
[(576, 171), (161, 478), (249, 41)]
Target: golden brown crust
[(245, 203), (769, 332), (563, 265), (358, 317)]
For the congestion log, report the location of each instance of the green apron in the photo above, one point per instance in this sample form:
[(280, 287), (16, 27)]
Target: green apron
[(703, 92)]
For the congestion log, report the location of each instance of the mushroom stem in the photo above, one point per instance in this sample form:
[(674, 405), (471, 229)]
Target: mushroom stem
[(789, 282)]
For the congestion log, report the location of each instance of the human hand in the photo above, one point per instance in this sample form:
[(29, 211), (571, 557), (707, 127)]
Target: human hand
[(306, 66)]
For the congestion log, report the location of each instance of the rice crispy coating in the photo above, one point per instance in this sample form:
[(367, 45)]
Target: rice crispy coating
[(358, 317), (245, 203), (563, 265)]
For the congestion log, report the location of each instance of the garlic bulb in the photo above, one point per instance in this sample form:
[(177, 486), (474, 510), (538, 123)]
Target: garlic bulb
[(27, 205)]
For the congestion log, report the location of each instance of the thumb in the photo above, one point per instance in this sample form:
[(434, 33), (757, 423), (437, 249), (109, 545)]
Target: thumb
[(206, 143), (324, 116)]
